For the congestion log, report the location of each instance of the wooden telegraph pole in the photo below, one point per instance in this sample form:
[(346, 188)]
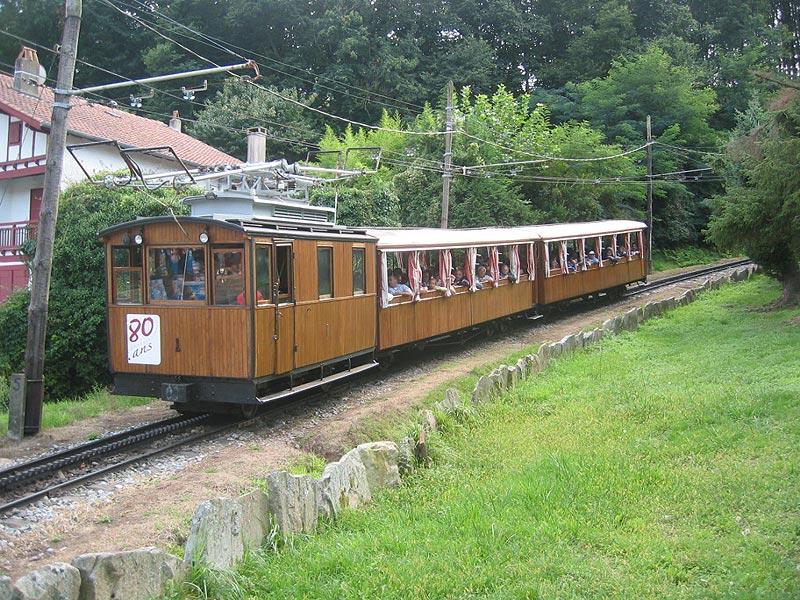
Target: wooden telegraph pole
[(447, 175), (45, 235), (649, 197)]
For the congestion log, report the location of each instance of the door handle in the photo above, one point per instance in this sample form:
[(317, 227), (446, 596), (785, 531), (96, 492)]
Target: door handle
[(278, 315)]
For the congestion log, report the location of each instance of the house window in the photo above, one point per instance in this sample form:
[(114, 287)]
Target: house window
[(177, 273), (359, 270), (228, 276), (126, 262), (15, 133), (325, 272)]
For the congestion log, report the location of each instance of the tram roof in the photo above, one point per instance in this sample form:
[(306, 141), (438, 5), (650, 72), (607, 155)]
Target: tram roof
[(429, 238)]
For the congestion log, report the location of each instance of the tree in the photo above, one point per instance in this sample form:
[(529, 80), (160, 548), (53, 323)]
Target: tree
[(240, 105), (759, 213)]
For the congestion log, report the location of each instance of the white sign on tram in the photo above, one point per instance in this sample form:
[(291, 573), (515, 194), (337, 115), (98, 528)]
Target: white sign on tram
[(144, 339)]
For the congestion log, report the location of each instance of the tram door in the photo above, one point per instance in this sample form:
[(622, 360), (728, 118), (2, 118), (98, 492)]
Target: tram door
[(284, 294)]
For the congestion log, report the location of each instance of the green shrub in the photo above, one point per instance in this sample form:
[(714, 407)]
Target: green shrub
[(76, 358)]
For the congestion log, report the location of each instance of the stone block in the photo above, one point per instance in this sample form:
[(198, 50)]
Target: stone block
[(380, 462), (406, 453), (483, 390), (7, 589), (555, 349), (428, 420), (58, 581), (130, 575), (255, 519), (344, 483), (293, 502), (522, 368), (451, 401), (215, 534)]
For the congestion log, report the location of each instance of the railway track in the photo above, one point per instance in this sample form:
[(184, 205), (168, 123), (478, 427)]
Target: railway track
[(51, 467)]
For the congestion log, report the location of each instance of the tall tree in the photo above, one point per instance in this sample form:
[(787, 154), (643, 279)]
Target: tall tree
[(759, 213)]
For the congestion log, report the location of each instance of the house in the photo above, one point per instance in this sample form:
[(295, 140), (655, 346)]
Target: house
[(25, 109)]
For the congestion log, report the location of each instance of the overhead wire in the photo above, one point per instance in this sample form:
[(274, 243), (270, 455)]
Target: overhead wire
[(273, 92), (228, 45)]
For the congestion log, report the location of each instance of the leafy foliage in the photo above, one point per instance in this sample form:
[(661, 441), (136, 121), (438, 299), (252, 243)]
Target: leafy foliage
[(76, 350), (759, 212)]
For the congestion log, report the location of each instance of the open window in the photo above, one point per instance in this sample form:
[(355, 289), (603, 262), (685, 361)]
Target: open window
[(126, 262), (283, 272), (359, 262), (229, 282), (263, 273), (325, 271), (177, 274)]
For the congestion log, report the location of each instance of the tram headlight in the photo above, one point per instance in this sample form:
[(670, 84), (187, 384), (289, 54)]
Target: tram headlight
[(204, 236), (138, 239)]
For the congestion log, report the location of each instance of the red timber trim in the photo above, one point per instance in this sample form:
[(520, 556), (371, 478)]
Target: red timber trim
[(25, 172), (13, 235), (30, 121)]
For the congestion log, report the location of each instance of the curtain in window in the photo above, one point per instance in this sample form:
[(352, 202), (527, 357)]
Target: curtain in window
[(546, 259), (470, 258), (598, 249), (641, 243), (531, 262), (614, 245), (445, 271), (514, 262), (582, 250), (628, 246), (494, 265), (386, 297), (563, 252), (414, 273)]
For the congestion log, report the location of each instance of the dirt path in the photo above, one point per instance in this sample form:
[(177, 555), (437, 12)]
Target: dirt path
[(151, 504)]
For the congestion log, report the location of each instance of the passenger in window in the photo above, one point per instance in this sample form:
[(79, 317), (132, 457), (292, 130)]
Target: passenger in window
[(401, 275), (505, 273), (611, 256), (435, 284), (573, 266), (554, 264), (483, 276), (398, 289), (591, 258), (459, 279)]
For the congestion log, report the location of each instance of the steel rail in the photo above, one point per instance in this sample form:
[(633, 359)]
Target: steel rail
[(43, 466), (686, 276)]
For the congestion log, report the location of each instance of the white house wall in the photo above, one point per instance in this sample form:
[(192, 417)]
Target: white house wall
[(15, 195), (33, 142)]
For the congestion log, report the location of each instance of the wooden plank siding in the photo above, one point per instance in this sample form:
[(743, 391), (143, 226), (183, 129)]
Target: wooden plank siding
[(205, 341), (408, 322), (560, 287)]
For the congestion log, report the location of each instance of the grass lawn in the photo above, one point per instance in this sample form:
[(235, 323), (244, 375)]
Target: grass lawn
[(661, 463), (65, 412), (664, 260)]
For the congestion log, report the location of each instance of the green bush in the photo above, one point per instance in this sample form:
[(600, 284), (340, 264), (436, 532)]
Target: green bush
[(76, 358)]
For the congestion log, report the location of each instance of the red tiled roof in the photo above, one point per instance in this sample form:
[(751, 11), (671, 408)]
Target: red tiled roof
[(98, 121)]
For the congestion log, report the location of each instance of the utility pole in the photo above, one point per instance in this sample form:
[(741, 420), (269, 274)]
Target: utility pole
[(45, 235), (649, 197), (447, 175)]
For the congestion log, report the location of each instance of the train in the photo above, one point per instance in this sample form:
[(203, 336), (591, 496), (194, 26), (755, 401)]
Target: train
[(249, 301)]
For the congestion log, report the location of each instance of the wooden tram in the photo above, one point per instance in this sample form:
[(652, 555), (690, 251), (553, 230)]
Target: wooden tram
[(217, 312)]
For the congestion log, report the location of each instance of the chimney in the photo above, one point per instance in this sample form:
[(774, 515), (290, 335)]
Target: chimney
[(256, 145), (175, 121), (28, 73)]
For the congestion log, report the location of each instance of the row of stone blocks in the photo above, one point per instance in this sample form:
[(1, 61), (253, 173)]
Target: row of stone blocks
[(222, 529)]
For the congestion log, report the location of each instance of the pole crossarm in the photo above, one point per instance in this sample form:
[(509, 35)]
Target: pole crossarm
[(250, 64)]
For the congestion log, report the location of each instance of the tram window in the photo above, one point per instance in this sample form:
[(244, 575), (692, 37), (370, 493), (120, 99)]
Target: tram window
[(127, 274), (554, 252), (228, 276), (263, 273), (325, 272), (359, 270), (283, 263), (177, 274)]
